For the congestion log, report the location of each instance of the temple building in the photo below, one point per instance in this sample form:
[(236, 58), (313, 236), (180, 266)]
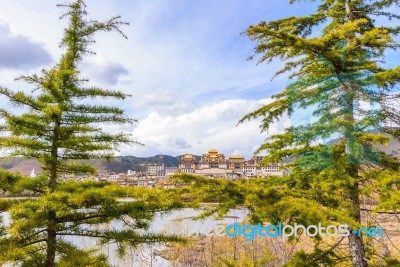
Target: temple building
[(214, 164), (212, 160), (187, 164), (236, 163)]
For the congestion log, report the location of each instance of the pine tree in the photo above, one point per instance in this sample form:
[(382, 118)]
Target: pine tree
[(334, 60), (335, 68), (61, 124)]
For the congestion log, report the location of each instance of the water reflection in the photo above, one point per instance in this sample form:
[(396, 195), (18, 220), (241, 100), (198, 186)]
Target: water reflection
[(176, 222)]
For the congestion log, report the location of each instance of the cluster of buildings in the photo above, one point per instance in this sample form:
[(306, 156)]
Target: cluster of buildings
[(211, 164), (215, 164)]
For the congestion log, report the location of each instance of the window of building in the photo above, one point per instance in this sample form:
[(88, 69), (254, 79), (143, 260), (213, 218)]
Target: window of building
[(214, 165)]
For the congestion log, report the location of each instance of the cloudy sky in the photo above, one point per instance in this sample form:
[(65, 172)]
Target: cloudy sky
[(184, 63)]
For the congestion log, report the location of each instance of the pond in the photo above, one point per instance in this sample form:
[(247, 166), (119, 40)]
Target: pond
[(176, 222)]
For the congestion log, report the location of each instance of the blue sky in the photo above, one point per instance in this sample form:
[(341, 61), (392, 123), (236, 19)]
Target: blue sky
[(184, 63)]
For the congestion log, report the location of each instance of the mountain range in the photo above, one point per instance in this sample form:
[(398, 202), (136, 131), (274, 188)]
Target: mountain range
[(124, 163), (118, 164)]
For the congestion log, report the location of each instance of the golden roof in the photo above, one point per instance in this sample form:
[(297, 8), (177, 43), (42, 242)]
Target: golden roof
[(188, 156), (236, 157), (212, 150)]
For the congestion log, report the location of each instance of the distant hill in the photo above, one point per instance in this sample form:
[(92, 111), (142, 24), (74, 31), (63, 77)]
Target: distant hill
[(19, 164), (119, 164), (393, 148)]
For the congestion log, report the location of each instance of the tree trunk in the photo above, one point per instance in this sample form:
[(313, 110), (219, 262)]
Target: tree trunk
[(357, 253), (51, 241), (356, 245)]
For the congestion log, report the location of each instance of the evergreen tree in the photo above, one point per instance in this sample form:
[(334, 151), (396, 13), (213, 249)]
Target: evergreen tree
[(336, 68), (334, 59), (60, 124)]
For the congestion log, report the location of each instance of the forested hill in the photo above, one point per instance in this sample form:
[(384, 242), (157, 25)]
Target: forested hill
[(119, 164)]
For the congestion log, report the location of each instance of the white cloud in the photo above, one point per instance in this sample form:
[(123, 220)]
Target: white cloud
[(210, 126), (161, 101), (179, 60)]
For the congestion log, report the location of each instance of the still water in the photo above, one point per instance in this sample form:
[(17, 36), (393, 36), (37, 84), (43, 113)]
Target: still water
[(176, 222)]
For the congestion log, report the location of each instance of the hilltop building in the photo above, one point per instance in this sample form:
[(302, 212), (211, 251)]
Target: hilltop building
[(155, 169), (253, 168), (236, 163), (213, 160), (214, 164), (187, 164)]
